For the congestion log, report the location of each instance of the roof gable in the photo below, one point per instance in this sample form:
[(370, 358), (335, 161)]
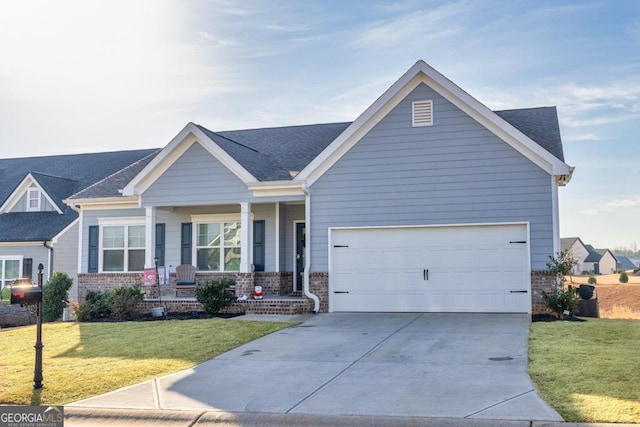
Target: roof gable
[(189, 135), (421, 73)]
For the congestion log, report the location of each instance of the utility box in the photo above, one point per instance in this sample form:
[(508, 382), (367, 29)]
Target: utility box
[(23, 291)]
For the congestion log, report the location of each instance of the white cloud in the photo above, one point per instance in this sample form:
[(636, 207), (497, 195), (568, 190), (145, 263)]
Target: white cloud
[(612, 206)]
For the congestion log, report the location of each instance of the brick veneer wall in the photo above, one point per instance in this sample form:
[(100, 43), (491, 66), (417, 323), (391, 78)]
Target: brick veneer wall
[(541, 280), (104, 282), (319, 285)]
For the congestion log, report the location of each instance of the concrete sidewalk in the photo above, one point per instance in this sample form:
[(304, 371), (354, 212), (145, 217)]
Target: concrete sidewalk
[(453, 367)]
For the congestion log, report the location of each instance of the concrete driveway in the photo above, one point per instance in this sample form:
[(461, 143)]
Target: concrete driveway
[(411, 365)]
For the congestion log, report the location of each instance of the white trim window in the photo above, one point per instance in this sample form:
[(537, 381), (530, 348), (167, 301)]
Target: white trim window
[(217, 242), (122, 245), (33, 199), (10, 270)]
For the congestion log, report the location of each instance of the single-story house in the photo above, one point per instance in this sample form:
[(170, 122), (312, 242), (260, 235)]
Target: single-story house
[(36, 227), (625, 263), (369, 215), (590, 259)]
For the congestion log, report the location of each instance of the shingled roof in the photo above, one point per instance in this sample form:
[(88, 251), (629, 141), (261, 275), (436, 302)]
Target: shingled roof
[(60, 177), (279, 153)]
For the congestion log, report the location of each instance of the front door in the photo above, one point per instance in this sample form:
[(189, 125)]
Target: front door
[(298, 278)]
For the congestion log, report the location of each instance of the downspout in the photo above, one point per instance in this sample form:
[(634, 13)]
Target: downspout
[(307, 248), (48, 246)]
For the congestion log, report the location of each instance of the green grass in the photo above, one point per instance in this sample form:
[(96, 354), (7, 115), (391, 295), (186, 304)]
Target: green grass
[(588, 371), (86, 359)]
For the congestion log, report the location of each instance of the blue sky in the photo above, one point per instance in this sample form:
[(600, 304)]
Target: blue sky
[(85, 76)]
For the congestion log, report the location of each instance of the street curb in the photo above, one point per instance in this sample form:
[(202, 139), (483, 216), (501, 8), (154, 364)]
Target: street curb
[(80, 417)]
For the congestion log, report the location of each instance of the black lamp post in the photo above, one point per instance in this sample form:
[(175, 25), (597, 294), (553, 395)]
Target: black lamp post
[(37, 372)]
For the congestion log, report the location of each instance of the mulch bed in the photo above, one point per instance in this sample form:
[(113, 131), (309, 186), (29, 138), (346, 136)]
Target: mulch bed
[(171, 316)]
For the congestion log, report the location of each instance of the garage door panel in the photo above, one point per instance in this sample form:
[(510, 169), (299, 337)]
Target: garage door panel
[(470, 268)]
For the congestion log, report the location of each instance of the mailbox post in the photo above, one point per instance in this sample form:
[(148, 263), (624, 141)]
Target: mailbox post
[(24, 292)]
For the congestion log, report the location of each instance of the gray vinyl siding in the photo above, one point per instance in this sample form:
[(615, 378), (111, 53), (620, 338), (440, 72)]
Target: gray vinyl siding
[(38, 253), (65, 257), (21, 206), (196, 178), (454, 172)]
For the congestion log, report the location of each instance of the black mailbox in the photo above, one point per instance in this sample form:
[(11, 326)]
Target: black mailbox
[(23, 291)]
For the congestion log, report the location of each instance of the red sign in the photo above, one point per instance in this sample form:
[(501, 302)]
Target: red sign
[(149, 276)]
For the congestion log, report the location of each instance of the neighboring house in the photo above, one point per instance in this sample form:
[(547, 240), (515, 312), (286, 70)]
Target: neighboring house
[(371, 215), (625, 263), (598, 261), (36, 227), (579, 252)]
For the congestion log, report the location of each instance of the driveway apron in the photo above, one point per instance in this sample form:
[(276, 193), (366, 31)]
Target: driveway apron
[(422, 365)]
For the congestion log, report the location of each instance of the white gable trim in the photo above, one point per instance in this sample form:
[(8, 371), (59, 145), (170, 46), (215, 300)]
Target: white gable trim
[(189, 135), (423, 73), (22, 189)]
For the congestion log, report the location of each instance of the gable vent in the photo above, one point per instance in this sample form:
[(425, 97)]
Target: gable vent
[(422, 113)]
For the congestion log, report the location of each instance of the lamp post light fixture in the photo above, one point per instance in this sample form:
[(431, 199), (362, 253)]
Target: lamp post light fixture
[(37, 372)]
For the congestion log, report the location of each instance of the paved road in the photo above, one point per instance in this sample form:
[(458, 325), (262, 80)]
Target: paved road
[(462, 366)]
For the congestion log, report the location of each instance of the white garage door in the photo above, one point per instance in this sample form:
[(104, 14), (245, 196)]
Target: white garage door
[(430, 269)]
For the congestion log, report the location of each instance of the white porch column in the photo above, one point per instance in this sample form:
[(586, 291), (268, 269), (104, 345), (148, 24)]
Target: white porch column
[(246, 251), (149, 236)]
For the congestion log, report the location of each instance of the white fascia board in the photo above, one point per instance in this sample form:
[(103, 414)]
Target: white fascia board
[(276, 188), (423, 73), (128, 202), (37, 243), (189, 135), (21, 189)]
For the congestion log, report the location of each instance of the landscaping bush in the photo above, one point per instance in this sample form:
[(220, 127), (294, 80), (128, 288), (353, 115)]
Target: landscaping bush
[(216, 295), (125, 302), (6, 295), (561, 301), (592, 279), (624, 278), (99, 305), (55, 295)]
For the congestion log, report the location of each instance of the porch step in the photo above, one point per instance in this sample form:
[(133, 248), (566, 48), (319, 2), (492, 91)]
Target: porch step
[(277, 305)]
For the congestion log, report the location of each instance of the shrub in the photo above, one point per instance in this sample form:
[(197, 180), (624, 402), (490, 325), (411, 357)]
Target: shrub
[(592, 279), (55, 295), (561, 301), (216, 295), (99, 304), (624, 278), (80, 311), (125, 302), (6, 295)]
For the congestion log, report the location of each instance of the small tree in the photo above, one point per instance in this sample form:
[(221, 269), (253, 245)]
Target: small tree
[(561, 300), (55, 296), (592, 278), (624, 278)]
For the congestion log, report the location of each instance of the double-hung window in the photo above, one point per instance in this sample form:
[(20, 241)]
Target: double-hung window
[(10, 268), (217, 241), (122, 244), (33, 199)]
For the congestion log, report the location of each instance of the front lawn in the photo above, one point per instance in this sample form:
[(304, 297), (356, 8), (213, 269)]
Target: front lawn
[(86, 359), (588, 371)]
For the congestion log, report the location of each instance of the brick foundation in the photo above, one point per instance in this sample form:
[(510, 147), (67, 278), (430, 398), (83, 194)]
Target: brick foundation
[(541, 280)]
